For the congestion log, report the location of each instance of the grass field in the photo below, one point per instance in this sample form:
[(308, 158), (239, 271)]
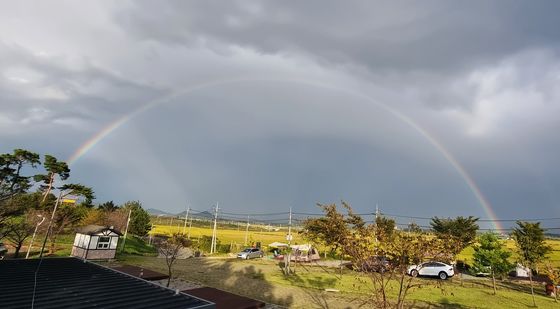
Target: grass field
[(263, 279)]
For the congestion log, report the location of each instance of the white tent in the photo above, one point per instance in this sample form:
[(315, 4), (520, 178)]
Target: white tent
[(278, 245)]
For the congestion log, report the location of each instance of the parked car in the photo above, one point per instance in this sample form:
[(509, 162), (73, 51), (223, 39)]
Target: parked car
[(3, 250), (433, 269), (250, 253)]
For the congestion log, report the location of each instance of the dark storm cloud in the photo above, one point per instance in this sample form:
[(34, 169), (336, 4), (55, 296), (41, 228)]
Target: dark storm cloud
[(382, 36), (479, 77)]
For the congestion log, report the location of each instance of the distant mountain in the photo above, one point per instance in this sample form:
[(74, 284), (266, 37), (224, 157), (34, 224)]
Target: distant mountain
[(199, 215), (155, 212)]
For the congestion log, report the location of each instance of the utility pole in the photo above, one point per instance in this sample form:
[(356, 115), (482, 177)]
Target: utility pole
[(50, 224), (190, 225), (33, 237), (126, 230), (213, 245), (186, 219), (247, 230), (376, 216), (290, 228)]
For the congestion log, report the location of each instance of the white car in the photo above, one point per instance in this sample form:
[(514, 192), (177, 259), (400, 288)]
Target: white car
[(434, 269)]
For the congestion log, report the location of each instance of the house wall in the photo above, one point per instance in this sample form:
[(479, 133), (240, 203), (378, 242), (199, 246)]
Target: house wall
[(93, 254), (101, 254), (78, 252), (81, 240)]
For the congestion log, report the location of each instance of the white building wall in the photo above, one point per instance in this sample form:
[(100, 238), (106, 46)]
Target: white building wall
[(114, 241), (93, 242)]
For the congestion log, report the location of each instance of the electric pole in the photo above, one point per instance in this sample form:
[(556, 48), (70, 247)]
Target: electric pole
[(213, 245), (290, 228), (247, 231), (186, 219), (126, 230), (190, 225)]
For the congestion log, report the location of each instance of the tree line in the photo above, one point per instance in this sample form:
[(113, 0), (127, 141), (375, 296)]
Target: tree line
[(31, 187)]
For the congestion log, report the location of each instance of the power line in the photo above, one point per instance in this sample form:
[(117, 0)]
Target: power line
[(479, 220)]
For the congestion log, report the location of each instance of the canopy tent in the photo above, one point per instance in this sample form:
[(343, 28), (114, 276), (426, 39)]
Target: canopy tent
[(278, 245)]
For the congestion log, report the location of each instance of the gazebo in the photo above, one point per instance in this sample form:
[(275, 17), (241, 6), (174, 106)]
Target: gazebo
[(95, 242)]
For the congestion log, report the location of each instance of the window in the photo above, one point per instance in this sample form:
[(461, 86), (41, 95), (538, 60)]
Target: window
[(103, 242)]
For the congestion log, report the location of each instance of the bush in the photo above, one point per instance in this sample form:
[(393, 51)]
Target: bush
[(223, 248)]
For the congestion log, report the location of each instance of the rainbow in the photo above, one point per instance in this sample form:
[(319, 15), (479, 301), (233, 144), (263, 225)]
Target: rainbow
[(111, 127)]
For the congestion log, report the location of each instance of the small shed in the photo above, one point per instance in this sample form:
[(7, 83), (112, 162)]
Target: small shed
[(95, 242)]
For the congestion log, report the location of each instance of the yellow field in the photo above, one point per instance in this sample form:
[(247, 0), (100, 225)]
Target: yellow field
[(226, 236)]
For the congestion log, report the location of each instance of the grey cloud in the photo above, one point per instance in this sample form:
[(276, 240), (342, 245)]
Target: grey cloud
[(382, 36), (479, 77)]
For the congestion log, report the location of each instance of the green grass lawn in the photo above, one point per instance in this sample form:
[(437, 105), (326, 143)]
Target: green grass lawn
[(263, 279)]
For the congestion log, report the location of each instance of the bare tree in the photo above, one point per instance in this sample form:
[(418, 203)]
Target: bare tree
[(170, 249)]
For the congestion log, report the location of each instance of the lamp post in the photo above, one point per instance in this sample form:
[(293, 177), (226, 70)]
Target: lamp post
[(33, 237)]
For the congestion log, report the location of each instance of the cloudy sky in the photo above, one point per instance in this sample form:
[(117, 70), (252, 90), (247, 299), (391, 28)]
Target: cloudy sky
[(266, 105)]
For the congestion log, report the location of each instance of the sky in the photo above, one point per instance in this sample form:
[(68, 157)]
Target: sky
[(424, 109)]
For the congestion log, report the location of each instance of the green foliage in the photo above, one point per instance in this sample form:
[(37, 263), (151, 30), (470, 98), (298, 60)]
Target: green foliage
[(531, 246), (329, 230), (11, 165), (18, 230), (530, 241), (459, 232), (384, 227), (205, 242), (108, 206), (223, 248), (53, 168), (490, 255), (79, 190), (139, 218)]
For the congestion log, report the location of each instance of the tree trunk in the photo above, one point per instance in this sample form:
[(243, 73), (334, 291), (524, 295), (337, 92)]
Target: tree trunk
[(53, 243), (49, 188), (494, 282), (16, 253), (532, 291), (169, 279)]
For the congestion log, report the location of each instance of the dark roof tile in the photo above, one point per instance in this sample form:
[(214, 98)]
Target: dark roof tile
[(73, 283)]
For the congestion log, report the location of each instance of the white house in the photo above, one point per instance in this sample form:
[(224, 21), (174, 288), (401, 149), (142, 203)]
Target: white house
[(95, 242)]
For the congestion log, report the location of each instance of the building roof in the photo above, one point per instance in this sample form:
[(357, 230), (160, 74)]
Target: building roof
[(95, 229), (226, 300), (75, 283), (140, 272)]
